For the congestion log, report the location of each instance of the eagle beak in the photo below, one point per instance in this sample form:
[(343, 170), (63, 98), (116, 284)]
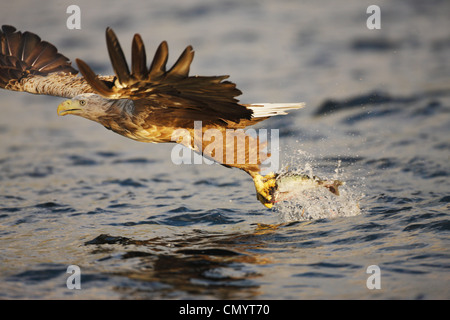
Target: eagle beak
[(66, 107)]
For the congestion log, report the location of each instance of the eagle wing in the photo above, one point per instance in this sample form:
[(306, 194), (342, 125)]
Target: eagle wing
[(167, 96), (29, 64)]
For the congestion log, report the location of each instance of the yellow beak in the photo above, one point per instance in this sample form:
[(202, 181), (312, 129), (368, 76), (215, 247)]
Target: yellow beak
[(65, 107)]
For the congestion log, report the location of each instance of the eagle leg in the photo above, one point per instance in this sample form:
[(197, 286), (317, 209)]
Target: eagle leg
[(264, 188)]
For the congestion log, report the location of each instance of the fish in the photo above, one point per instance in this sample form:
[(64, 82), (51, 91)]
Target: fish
[(288, 185)]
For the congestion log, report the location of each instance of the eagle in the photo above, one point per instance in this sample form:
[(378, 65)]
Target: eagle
[(144, 103)]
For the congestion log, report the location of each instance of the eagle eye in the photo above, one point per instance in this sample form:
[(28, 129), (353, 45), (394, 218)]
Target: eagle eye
[(82, 102)]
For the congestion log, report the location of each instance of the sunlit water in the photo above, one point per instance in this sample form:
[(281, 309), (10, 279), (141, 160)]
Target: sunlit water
[(140, 227)]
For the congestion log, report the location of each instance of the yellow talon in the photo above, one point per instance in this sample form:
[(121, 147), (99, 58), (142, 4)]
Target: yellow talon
[(264, 186)]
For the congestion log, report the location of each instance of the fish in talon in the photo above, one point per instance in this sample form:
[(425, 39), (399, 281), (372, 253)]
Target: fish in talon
[(275, 187)]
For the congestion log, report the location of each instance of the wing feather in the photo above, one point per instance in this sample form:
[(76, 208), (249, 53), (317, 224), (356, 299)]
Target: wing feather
[(97, 85), (29, 64), (45, 56), (181, 68), (117, 57), (13, 43), (171, 92), (139, 59), (158, 66)]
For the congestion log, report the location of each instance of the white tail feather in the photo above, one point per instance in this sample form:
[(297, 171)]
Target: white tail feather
[(261, 110)]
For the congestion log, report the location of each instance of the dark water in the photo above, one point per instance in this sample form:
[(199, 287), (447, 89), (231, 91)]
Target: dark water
[(140, 227)]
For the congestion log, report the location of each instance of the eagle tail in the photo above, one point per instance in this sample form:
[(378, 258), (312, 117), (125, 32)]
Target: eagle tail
[(264, 110), (24, 54)]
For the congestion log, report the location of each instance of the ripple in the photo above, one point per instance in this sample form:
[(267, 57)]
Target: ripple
[(107, 154), (54, 207), (372, 98), (42, 272), (437, 226), (212, 217), (108, 239), (330, 265), (404, 270), (127, 183), (209, 252), (82, 161), (318, 275), (135, 161), (373, 44)]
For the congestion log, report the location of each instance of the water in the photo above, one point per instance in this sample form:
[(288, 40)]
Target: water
[(140, 227)]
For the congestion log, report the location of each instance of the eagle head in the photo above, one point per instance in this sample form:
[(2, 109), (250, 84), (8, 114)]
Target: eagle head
[(86, 105)]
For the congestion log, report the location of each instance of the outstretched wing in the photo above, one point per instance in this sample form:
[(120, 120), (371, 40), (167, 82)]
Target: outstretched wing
[(29, 64), (167, 95)]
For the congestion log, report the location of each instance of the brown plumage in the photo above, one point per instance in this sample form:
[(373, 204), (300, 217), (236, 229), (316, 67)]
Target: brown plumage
[(143, 103)]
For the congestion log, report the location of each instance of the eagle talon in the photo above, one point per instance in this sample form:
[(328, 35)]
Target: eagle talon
[(264, 188)]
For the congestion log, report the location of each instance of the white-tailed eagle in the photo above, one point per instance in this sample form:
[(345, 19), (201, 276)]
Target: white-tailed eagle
[(142, 103)]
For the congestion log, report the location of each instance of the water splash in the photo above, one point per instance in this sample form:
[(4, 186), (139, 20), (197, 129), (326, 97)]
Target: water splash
[(319, 203)]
